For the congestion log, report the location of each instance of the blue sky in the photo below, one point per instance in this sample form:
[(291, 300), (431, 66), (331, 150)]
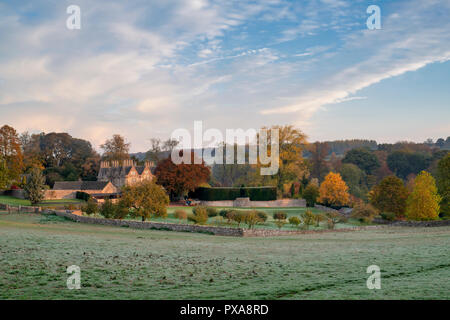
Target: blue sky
[(145, 68)]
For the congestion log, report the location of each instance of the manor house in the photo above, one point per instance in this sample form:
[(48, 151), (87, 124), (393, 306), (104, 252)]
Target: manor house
[(126, 173)]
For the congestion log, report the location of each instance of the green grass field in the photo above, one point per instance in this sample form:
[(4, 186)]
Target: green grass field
[(22, 202), (122, 263)]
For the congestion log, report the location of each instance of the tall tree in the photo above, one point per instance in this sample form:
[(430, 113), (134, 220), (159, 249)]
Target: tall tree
[(11, 152), (355, 179), (423, 202), (116, 148), (390, 196), (363, 158), (292, 166), (178, 179), (319, 151), (4, 180), (443, 184), (333, 191), (403, 163), (35, 186)]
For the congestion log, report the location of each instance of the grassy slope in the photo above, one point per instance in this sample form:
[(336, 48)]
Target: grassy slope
[(141, 264), (22, 202)]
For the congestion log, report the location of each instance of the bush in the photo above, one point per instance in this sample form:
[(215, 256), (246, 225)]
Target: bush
[(262, 216), (223, 213), (180, 214), (280, 215), (108, 209), (310, 194), (90, 207), (212, 212), (334, 218), (251, 218), (239, 217), (318, 218), (199, 216), (364, 212), (120, 211), (308, 218), (216, 194), (389, 216), (295, 221)]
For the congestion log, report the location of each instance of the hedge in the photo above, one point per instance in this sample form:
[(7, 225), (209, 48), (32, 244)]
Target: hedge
[(82, 195), (217, 194)]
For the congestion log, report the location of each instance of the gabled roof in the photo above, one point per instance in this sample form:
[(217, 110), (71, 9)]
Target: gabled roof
[(80, 185)]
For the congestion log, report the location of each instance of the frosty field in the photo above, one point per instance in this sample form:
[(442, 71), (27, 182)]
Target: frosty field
[(122, 263)]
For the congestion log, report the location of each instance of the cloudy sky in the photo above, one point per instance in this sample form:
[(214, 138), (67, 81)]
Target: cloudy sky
[(144, 68)]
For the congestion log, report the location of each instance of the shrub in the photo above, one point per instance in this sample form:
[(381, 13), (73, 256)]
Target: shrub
[(389, 216), (280, 215), (280, 223), (251, 218), (262, 216), (310, 194), (120, 211), (295, 221), (364, 212), (223, 213), (90, 207), (390, 196), (180, 214), (239, 217), (230, 215), (199, 216), (318, 218), (308, 218), (212, 212), (334, 218), (107, 209)]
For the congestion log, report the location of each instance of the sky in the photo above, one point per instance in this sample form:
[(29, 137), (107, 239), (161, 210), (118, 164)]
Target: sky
[(144, 68)]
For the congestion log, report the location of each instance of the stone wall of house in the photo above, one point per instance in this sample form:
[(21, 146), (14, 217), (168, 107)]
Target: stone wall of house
[(60, 194), (246, 203)]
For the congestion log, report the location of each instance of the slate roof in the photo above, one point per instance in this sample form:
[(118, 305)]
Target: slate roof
[(80, 185)]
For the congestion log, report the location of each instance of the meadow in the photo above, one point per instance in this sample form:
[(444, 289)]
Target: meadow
[(123, 263), (46, 203)]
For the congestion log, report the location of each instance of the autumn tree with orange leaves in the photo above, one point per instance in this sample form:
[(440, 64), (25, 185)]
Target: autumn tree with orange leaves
[(11, 153), (333, 191), (178, 179)]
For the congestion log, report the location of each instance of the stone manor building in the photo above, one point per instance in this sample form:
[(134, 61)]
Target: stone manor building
[(126, 173)]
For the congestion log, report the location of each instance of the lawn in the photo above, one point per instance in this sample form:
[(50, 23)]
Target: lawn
[(122, 263), (22, 202)]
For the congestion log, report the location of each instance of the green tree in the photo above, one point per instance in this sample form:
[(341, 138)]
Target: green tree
[(363, 158), (146, 199), (443, 184), (310, 194), (35, 186), (423, 202), (403, 163), (390, 196), (295, 221), (355, 179)]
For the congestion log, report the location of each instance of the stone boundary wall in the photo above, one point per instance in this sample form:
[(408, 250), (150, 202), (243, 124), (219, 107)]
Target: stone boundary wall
[(219, 231), (246, 203), (274, 233), (326, 209)]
